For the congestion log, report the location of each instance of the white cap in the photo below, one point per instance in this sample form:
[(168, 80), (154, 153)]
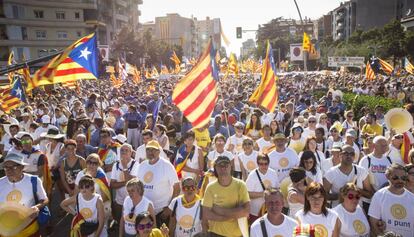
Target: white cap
[(45, 118)]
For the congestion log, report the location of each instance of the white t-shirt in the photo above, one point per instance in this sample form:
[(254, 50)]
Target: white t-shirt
[(129, 223), (238, 148), (158, 180), (22, 191), (283, 230), (395, 155), (352, 224), (283, 162), (263, 144), (117, 174), (193, 163), (320, 157), (317, 177), (185, 218), (212, 155), (324, 225), (338, 179), (270, 179), (307, 132), (5, 141), (249, 161), (394, 210), (97, 188), (377, 168)]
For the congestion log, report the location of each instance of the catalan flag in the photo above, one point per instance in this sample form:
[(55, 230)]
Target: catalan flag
[(8, 102), (408, 66), (386, 67), (266, 94), (136, 75), (196, 93), (11, 61), (175, 58), (182, 157), (306, 44), (72, 85), (26, 75), (154, 72), (78, 61), (17, 90), (122, 72), (233, 66), (369, 73)]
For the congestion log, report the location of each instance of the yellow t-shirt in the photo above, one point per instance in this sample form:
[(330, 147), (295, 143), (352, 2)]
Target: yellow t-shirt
[(202, 138), (156, 233), (229, 197), (375, 129)]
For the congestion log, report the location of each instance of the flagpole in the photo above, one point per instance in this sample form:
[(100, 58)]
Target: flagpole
[(305, 58)]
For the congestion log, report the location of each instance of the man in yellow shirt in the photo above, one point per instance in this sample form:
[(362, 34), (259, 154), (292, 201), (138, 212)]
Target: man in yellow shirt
[(371, 127), (225, 201)]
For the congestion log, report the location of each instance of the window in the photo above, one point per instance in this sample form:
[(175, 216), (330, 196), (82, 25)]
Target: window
[(60, 15), (24, 33), (38, 13), (18, 11), (62, 35), (78, 33), (77, 15), (41, 34)]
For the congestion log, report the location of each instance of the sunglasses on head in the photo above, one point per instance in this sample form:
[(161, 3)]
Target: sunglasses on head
[(352, 196), (403, 178), (144, 226)]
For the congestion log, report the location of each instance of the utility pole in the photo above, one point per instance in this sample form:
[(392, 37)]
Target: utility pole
[(304, 53)]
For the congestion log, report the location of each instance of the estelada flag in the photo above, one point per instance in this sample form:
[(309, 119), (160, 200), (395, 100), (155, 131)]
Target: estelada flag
[(78, 61)]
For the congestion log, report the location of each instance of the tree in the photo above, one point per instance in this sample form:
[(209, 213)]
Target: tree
[(394, 40)]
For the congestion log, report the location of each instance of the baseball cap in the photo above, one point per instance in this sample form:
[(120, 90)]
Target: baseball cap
[(45, 119), (153, 144), (222, 159), (351, 132), (120, 137), (15, 158)]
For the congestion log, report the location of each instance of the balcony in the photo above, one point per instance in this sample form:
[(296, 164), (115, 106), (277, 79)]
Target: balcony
[(84, 4), (39, 23), (340, 26), (122, 3), (35, 43), (121, 17)]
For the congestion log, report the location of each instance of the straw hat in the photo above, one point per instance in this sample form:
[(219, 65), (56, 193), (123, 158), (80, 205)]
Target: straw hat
[(13, 218)]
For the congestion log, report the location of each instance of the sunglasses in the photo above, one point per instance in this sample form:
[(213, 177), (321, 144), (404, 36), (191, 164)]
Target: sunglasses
[(312, 121), (398, 137), (352, 196), (189, 188), (248, 144), (348, 153), (25, 142), (144, 226), (403, 178), (263, 164), (92, 163), (350, 116)]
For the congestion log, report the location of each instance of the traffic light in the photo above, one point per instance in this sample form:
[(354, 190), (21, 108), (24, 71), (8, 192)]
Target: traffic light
[(238, 32)]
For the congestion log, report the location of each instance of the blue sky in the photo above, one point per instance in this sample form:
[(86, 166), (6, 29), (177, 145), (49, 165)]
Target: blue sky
[(247, 14)]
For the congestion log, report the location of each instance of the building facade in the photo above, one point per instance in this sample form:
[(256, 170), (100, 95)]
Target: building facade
[(323, 27), (344, 20), (248, 48), (39, 27), (206, 29)]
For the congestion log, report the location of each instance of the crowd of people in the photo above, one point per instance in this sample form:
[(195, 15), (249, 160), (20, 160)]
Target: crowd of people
[(126, 162)]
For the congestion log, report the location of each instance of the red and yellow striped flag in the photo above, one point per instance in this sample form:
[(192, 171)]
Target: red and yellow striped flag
[(233, 66), (266, 94), (369, 73), (78, 61), (196, 93), (405, 148), (408, 66), (7, 101), (306, 44), (386, 67)]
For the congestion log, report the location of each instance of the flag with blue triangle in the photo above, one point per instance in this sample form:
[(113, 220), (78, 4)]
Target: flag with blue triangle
[(17, 90)]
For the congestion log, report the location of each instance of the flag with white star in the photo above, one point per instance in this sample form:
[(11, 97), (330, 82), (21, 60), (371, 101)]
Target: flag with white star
[(78, 61), (17, 90)]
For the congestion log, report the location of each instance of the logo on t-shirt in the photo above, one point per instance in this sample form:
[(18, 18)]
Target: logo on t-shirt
[(398, 211), (251, 165), (321, 231), (148, 177), (283, 162), (14, 196), (86, 213), (267, 183), (359, 227), (186, 221)]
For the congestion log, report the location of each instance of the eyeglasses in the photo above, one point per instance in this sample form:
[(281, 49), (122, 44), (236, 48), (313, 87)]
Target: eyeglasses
[(350, 116), (403, 178), (398, 137), (348, 153), (352, 196), (189, 188), (145, 226), (10, 168), (87, 186), (263, 163), (323, 118), (92, 162)]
